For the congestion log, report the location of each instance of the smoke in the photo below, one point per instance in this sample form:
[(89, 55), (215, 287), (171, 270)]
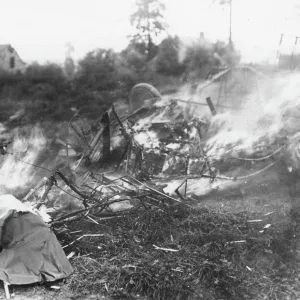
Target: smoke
[(261, 123), (188, 43), (267, 120), (16, 170)]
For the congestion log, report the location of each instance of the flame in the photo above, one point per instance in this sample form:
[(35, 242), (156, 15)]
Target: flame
[(16, 170), (147, 139), (260, 122), (271, 120)]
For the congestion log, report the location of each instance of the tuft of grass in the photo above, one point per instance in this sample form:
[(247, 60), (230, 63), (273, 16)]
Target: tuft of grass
[(216, 255)]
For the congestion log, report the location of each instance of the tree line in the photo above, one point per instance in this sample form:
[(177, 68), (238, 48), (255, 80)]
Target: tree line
[(151, 56)]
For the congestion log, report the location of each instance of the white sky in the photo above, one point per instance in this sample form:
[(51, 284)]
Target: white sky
[(40, 29)]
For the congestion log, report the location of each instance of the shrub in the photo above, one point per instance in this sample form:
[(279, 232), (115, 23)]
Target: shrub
[(167, 60)]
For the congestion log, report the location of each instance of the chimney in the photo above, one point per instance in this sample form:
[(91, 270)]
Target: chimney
[(202, 35)]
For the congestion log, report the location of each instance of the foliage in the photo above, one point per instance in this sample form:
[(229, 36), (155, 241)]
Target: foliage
[(199, 59), (134, 58), (167, 58), (228, 54), (69, 67), (48, 73), (97, 70), (8, 80), (106, 70), (38, 82), (104, 75), (148, 21)]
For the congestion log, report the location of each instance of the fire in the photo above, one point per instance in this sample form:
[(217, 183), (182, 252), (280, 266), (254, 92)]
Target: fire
[(260, 123), (16, 170), (166, 139)]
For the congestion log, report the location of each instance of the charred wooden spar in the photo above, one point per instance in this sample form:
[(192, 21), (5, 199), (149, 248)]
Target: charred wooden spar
[(211, 106)]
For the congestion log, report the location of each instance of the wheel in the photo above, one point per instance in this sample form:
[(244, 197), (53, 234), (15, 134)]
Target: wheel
[(142, 92)]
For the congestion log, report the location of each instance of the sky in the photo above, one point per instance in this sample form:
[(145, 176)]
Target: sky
[(40, 29)]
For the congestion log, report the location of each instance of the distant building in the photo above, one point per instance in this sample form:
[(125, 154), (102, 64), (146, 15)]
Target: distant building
[(10, 60)]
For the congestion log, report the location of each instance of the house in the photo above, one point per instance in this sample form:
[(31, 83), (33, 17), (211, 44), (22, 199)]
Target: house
[(10, 60)]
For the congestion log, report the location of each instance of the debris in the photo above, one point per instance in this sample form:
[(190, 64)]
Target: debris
[(92, 220), (77, 231), (254, 221), (17, 115), (6, 289), (85, 235), (71, 255), (30, 250), (116, 184), (165, 249), (237, 242), (211, 106), (267, 226), (123, 158), (269, 213), (32, 191)]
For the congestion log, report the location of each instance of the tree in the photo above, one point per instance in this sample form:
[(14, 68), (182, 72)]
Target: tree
[(148, 21), (46, 81), (69, 64), (97, 70), (167, 59), (69, 49), (199, 60), (49, 73), (134, 58), (226, 53)]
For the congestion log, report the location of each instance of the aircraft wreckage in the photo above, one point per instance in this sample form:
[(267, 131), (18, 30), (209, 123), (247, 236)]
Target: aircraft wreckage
[(162, 152)]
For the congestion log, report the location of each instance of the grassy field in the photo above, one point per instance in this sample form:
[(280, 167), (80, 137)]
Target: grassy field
[(238, 247)]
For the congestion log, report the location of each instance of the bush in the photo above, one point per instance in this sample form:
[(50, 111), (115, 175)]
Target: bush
[(97, 71), (44, 91), (167, 60), (51, 74), (199, 60)]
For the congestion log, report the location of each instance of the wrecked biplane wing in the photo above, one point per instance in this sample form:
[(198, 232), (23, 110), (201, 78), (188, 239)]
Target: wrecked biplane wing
[(157, 139), (30, 251)]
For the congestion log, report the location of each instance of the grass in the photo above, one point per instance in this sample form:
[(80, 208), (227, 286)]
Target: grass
[(218, 253), (209, 262)]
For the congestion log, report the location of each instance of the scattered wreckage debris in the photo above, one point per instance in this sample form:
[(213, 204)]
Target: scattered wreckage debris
[(118, 170), (159, 144), (119, 157), (30, 252), (146, 158)]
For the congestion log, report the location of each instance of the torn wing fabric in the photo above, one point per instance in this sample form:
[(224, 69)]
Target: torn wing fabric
[(8, 202), (30, 251)]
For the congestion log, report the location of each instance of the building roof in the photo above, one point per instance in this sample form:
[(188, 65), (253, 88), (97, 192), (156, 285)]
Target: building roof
[(3, 48)]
